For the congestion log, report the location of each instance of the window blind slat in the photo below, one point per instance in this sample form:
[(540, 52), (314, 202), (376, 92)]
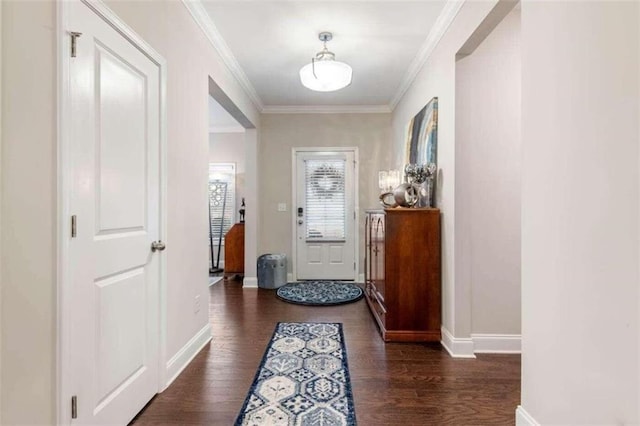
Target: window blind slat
[(325, 199)]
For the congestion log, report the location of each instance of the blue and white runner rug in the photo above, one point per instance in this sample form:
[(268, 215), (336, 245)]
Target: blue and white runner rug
[(303, 379)]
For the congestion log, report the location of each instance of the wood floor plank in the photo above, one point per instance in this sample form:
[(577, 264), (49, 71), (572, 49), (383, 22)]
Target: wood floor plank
[(393, 384)]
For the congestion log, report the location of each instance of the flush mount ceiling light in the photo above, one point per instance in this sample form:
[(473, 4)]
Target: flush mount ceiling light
[(324, 73)]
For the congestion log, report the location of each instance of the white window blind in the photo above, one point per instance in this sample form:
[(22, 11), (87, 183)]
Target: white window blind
[(222, 196), (325, 199)]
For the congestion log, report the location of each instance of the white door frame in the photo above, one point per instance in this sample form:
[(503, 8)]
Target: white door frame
[(294, 203), (63, 185)]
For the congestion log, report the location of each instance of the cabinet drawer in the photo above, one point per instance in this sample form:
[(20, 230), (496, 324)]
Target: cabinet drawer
[(375, 294), (379, 307)]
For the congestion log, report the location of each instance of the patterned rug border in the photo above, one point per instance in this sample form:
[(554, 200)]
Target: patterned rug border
[(342, 302), (351, 418)]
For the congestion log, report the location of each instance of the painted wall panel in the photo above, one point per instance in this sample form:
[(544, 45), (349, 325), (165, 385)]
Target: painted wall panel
[(282, 132), (437, 78), (28, 217), (28, 213), (488, 161), (580, 246)]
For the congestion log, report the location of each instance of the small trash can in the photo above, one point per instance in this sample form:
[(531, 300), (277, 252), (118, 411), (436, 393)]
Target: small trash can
[(272, 270)]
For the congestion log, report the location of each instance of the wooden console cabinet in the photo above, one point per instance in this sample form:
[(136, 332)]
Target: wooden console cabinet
[(402, 273), (234, 251)]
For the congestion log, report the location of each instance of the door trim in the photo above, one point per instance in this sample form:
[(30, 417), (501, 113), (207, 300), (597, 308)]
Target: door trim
[(63, 182), (294, 203)]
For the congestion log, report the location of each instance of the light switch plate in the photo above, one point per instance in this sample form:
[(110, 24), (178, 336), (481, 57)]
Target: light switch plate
[(282, 207)]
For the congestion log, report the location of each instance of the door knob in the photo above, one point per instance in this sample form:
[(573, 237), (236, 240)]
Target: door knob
[(300, 221), (158, 246)]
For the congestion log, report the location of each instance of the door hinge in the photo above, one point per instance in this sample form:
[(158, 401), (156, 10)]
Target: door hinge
[(74, 38), (74, 229), (74, 407), (354, 266)]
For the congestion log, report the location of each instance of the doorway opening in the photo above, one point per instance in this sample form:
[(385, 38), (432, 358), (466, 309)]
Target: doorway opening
[(226, 192), (231, 191), (487, 185)]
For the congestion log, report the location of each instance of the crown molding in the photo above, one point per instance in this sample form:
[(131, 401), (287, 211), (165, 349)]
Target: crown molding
[(444, 20), (446, 17), (202, 18), (326, 109)]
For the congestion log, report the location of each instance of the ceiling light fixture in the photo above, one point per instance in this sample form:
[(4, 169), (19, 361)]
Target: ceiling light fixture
[(324, 73)]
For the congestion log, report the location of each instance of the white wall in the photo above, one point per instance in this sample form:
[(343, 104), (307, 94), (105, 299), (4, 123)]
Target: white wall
[(437, 78), (191, 59), (28, 226), (580, 212), (487, 184), (0, 205), (29, 173), (281, 132), (230, 148), (251, 221)]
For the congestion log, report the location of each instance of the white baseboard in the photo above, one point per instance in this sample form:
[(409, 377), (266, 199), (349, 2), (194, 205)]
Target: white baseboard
[(215, 280), (250, 282), (457, 347), (497, 343), (524, 419), (290, 278), (185, 355)]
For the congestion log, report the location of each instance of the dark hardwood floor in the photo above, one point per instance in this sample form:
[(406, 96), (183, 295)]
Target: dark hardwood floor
[(393, 383)]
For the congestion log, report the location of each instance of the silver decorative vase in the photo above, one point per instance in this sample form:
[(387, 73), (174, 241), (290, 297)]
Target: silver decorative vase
[(425, 193), (406, 195)]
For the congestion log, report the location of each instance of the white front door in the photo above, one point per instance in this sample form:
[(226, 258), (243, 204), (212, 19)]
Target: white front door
[(114, 155), (325, 215)]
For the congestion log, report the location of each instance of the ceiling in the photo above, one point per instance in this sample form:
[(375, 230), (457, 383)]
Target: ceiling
[(265, 43)]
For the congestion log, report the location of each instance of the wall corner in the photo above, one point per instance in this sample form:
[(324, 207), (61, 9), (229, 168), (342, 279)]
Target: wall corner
[(456, 346), (523, 418), (250, 282)]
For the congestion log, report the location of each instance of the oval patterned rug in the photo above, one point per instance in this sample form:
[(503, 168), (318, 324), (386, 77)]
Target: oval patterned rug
[(320, 293)]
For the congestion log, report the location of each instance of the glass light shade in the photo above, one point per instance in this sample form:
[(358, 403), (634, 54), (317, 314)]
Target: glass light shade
[(330, 75), (383, 178), (388, 179), (394, 178)]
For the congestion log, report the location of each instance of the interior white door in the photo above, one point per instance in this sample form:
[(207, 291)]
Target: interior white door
[(325, 215), (115, 164)]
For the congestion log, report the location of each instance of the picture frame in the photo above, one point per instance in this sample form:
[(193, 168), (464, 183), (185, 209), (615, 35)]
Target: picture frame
[(422, 135), (422, 150)]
